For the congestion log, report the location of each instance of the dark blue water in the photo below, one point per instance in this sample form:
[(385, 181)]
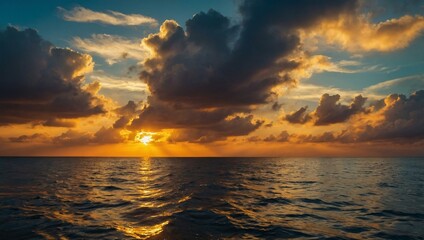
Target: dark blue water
[(211, 198)]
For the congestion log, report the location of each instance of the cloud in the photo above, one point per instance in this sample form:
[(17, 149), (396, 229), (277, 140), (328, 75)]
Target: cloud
[(276, 106), (311, 93), (127, 113), (404, 85), (119, 83), (108, 135), (113, 48), (54, 122), (72, 137), (299, 116), (40, 82), (193, 66), (36, 137), (202, 78), (396, 118), (214, 71), (80, 14), (329, 111), (282, 137), (356, 32), (102, 136), (401, 117), (237, 126)]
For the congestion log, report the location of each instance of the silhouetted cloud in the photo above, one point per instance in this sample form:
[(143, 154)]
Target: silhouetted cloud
[(201, 77), (108, 135), (237, 126), (299, 116), (126, 114), (282, 137), (72, 137), (102, 136), (329, 111), (80, 14), (41, 82), (396, 118), (36, 137), (403, 118)]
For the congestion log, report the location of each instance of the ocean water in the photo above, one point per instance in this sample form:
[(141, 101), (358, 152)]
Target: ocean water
[(211, 198)]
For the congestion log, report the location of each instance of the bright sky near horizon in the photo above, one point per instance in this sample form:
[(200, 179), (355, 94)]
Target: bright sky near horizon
[(212, 78)]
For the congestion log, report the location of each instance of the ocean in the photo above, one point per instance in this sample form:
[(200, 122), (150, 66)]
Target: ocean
[(211, 198)]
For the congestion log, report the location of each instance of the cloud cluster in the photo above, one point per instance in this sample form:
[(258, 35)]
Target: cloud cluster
[(42, 83), (211, 76), (80, 14), (329, 111), (400, 117), (396, 118)]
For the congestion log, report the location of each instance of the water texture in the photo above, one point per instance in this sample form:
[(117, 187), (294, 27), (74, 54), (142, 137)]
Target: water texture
[(211, 198)]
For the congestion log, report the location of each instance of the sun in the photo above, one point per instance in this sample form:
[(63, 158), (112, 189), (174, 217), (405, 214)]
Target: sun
[(144, 137)]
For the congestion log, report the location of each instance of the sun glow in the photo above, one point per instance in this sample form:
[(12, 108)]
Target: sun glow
[(144, 137)]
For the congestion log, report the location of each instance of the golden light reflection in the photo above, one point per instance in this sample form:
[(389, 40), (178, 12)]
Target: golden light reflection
[(142, 232)]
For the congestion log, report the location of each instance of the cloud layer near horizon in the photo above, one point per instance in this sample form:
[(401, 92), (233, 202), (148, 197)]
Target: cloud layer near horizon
[(395, 118)]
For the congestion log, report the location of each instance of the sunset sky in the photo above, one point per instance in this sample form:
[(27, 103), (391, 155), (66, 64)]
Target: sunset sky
[(212, 78)]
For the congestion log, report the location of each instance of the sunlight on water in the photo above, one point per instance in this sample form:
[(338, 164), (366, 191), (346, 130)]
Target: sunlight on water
[(210, 198), (142, 232)]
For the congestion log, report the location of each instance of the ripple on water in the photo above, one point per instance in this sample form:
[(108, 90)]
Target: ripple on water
[(213, 198)]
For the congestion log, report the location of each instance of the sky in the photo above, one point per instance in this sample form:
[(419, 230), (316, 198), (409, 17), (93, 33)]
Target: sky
[(212, 78)]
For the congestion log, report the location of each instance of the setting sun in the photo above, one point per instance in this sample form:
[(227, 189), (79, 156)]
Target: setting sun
[(144, 137)]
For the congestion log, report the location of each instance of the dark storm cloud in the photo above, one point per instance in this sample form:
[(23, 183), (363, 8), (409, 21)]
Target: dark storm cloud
[(299, 116), (213, 70), (40, 82), (126, 114), (164, 115), (199, 66), (329, 111), (403, 119)]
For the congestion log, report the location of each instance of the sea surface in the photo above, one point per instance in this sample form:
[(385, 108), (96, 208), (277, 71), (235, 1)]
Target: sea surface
[(211, 198)]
